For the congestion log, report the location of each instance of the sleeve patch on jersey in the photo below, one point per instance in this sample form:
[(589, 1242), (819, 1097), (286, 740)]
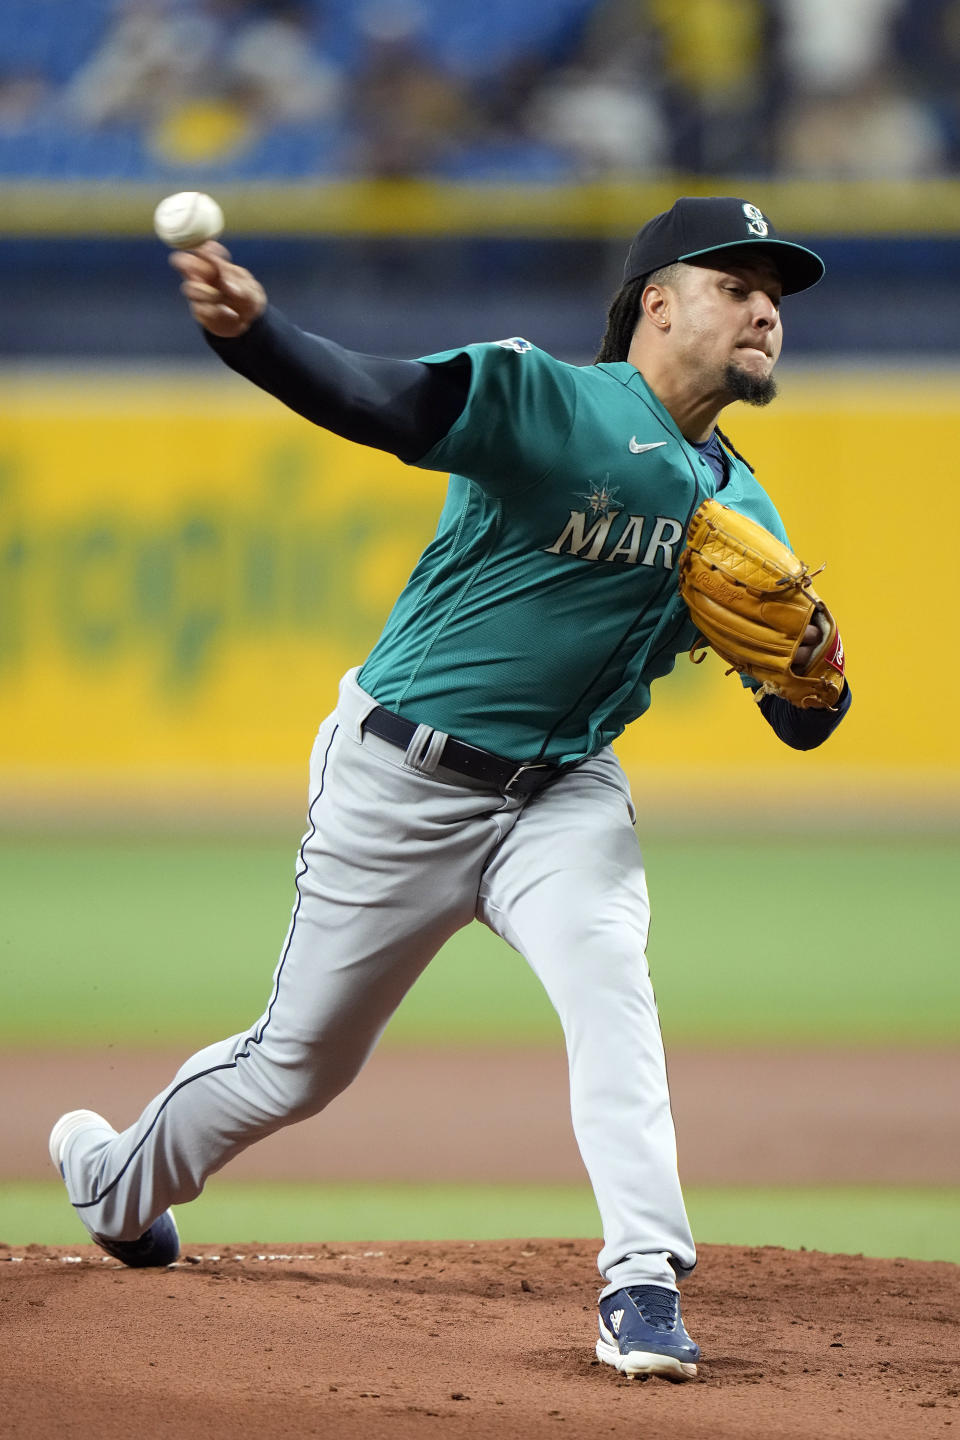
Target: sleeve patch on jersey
[(515, 343)]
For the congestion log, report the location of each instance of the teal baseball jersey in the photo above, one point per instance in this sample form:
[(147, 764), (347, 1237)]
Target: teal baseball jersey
[(546, 604)]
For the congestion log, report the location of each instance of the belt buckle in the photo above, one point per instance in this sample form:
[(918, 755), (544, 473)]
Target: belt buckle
[(537, 765)]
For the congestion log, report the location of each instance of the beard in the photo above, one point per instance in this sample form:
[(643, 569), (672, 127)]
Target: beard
[(752, 389)]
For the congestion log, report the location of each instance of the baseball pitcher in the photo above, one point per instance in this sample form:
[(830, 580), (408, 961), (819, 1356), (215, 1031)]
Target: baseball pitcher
[(597, 525)]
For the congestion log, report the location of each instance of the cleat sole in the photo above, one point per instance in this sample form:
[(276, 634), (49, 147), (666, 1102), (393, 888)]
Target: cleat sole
[(645, 1362)]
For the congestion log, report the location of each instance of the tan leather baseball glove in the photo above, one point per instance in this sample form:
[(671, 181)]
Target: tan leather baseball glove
[(752, 600)]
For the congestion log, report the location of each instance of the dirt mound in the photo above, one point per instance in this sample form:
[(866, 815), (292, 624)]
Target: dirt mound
[(457, 1339)]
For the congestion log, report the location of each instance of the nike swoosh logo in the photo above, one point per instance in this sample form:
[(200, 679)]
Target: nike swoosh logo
[(636, 448)]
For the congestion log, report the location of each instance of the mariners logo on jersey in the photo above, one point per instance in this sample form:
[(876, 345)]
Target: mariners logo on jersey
[(515, 343), (602, 499), (596, 533)]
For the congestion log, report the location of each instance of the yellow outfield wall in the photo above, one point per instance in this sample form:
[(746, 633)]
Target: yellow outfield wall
[(186, 569)]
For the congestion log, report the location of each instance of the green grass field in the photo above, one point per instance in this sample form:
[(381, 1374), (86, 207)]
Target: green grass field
[(920, 1224), (161, 940)]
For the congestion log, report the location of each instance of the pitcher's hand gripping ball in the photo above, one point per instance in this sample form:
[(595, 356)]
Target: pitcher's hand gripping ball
[(185, 220), (752, 600)]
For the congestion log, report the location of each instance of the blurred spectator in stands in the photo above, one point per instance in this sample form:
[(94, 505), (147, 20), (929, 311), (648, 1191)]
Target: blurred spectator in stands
[(407, 114), (720, 85), (750, 86), (605, 110), (848, 112), (873, 131), (688, 79), (602, 119), (508, 89), (24, 99), (206, 77), (829, 46), (155, 53), (927, 34), (270, 58)]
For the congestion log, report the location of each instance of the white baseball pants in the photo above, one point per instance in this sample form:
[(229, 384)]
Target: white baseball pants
[(400, 854)]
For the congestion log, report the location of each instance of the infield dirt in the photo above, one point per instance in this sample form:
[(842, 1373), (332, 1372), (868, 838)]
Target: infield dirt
[(457, 1339), (398, 1341)]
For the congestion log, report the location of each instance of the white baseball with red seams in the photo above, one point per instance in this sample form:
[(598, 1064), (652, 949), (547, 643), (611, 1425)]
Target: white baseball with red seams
[(186, 219)]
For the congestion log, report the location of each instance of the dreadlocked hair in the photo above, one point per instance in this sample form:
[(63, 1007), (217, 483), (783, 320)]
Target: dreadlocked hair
[(625, 311), (622, 320), (734, 451)]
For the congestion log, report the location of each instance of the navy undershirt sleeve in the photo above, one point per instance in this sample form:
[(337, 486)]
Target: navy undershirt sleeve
[(803, 729), (402, 406)]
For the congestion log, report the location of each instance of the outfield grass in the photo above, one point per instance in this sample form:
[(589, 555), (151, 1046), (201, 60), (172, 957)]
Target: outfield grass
[(159, 940), (919, 1224)]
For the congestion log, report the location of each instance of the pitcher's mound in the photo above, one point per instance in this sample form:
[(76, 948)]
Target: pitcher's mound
[(453, 1339)]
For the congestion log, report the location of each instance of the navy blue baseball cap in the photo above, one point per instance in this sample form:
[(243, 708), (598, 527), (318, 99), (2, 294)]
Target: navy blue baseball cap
[(698, 226)]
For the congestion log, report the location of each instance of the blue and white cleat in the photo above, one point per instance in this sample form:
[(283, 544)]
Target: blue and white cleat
[(160, 1244), (641, 1333)]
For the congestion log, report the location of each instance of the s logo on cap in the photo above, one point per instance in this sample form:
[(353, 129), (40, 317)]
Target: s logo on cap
[(755, 221)]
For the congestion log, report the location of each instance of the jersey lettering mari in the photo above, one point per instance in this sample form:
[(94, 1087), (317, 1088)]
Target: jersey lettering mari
[(546, 604)]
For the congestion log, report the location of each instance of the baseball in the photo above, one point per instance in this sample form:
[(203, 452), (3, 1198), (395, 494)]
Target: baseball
[(187, 219)]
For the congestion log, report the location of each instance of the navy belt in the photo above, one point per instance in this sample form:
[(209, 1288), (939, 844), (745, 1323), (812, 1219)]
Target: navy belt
[(505, 775)]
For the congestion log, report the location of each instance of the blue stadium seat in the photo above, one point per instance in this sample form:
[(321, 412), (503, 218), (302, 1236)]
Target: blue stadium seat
[(508, 163), (53, 152), (469, 40), (50, 37), (290, 152)]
